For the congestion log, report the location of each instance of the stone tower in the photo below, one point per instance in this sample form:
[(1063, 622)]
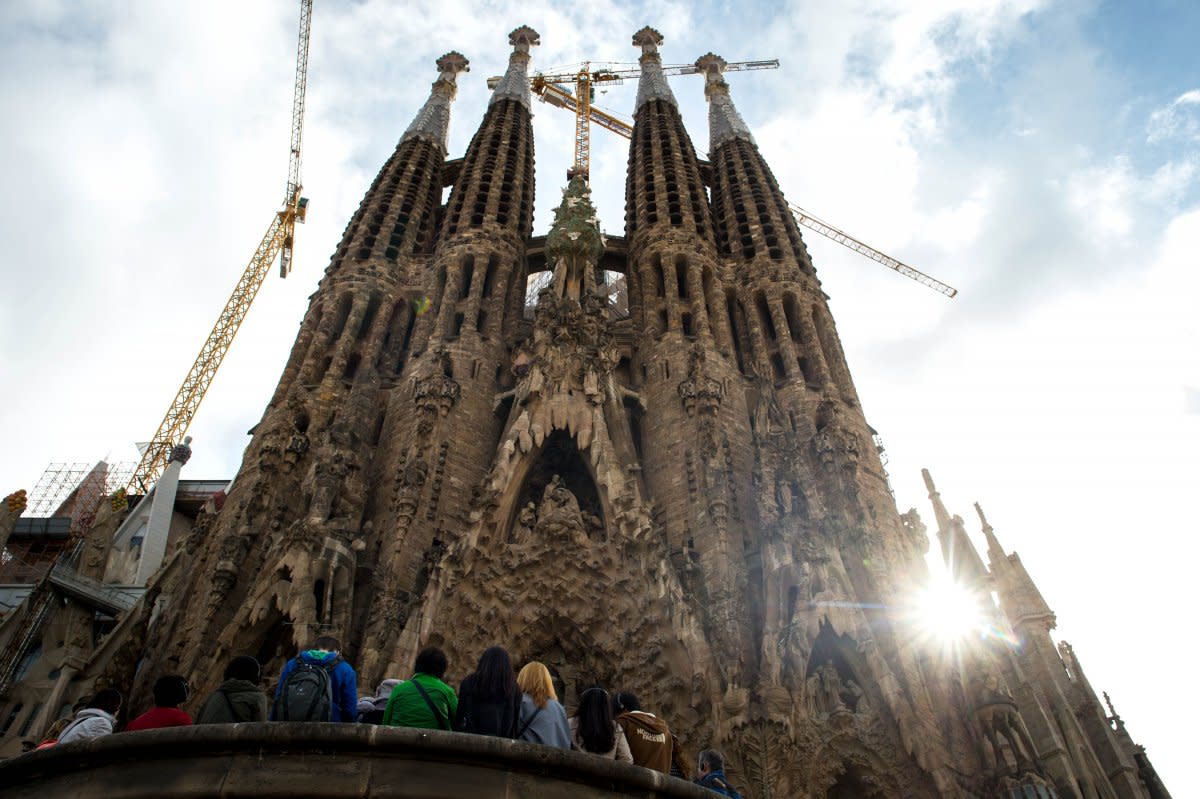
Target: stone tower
[(681, 497)]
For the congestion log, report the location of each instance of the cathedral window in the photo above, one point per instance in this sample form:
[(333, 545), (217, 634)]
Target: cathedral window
[(764, 318), (681, 287), (369, 315), (489, 277), (319, 598), (737, 328), (468, 274), (351, 366), (343, 313), (12, 717), (29, 718)]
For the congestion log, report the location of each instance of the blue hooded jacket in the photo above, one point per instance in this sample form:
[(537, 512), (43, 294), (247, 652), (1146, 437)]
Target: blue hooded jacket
[(343, 682), (715, 782)]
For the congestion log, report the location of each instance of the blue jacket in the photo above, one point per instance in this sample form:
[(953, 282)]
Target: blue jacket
[(715, 781), (342, 681)]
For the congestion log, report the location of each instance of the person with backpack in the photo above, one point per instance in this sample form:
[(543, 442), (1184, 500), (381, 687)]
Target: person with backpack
[(489, 701), (239, 698), (317, 685), (95, 720), (542, 719), (169, 693), (712, 774), (423, 701), (649, 737)]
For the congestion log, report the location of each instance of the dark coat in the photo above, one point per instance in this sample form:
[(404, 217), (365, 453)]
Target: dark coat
[(234, 701), (487, 715)]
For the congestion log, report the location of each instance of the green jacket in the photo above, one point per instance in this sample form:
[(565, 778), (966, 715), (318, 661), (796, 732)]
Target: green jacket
[(233, 701), (407, 708)]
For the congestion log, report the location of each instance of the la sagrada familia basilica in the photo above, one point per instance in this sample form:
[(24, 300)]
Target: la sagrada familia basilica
[(640, 460)]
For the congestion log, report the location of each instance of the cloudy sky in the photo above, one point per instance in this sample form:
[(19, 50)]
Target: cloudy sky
[(1041, 155)]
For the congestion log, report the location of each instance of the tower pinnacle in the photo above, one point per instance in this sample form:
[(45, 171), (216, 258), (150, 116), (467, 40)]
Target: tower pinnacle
[(653, 83), (515, 83), (724, 121), (433, 120), (939, 510), (958, 552), (996, 552)]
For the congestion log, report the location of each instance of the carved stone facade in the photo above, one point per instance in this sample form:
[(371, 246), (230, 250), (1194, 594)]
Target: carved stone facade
[(682, 500)]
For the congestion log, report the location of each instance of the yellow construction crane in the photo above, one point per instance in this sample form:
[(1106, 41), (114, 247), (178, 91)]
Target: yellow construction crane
[(553, 89), (278, 241)]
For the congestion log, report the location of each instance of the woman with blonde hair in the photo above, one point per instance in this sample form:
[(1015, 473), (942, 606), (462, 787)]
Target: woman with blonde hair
[(543, 720)]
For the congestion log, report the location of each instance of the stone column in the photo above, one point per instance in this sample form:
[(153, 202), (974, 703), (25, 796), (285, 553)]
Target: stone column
[(154, 545)]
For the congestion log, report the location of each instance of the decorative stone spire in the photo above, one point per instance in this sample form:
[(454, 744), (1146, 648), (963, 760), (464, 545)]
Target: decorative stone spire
[(939, 510), (574, 244), (724, 121), (433, 120), (958, 552), (653, 83), (515, 83), (996, 553)]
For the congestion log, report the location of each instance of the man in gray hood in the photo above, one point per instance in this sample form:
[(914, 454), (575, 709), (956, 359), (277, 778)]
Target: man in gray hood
[(238, 698)]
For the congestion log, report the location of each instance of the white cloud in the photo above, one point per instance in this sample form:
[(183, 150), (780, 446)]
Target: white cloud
[(1180, 119)]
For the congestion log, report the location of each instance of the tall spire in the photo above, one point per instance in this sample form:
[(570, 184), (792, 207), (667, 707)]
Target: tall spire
[(515, 83), (996, 553), (958, 552), (432, 122), (724, 121), (939, 510), (653, 83)]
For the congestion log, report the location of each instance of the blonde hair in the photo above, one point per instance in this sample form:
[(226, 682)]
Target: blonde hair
[(534, 680)]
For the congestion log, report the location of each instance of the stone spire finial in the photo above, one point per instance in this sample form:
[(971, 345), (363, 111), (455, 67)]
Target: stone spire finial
[(433, 120), (996, 552), (574, 244), (181, 452), (939, 510), (653, 83), (724, 121), (515, 83)]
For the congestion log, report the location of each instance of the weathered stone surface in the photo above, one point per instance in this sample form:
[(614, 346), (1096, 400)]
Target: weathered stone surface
[(326, 760)]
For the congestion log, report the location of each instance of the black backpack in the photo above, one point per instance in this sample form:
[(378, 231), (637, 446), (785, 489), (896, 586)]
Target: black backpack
[(307, 693)]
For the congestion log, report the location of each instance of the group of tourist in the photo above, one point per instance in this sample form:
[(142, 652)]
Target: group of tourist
[(320, 685)]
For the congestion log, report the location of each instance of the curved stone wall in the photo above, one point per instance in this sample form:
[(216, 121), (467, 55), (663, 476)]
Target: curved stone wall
[(329, 761)]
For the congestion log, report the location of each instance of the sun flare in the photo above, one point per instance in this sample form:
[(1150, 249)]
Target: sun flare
[(947, 611)]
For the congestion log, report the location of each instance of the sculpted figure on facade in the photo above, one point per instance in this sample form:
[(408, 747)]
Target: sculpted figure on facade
[(559, 517), (998, 720), (825, 687)]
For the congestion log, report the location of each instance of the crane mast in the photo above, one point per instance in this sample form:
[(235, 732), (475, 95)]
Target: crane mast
[(276, 242)]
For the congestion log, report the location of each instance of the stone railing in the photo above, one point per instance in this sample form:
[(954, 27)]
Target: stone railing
[(330, 761)]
